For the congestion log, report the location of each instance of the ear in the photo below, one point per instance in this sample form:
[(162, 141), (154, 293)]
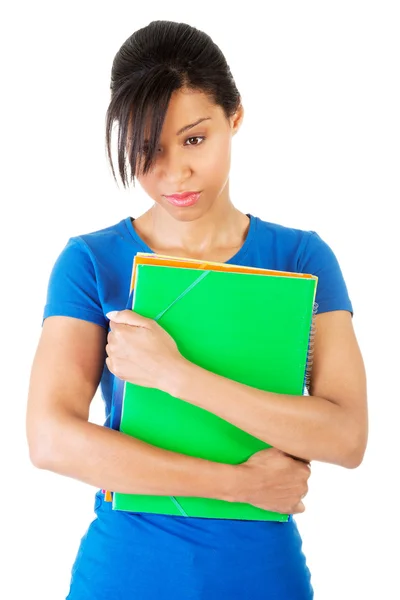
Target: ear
[(237, 119)]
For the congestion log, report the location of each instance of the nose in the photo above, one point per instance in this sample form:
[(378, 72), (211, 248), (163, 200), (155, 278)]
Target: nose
[(173, 167)]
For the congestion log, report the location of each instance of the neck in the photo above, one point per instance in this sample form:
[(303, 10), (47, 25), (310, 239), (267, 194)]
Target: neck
[(222, 227)]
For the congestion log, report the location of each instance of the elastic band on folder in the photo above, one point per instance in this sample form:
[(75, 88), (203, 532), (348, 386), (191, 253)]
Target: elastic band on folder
[(178, 506), (191, 286)]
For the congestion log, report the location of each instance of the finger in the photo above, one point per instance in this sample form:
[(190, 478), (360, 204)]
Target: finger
[(129, 317), (303, 460), (120, 367)]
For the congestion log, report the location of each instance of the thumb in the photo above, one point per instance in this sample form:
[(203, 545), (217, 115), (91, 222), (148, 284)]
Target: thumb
[(128, 317)]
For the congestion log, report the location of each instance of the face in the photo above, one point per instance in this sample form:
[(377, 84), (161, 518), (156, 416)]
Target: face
[(195, 160)]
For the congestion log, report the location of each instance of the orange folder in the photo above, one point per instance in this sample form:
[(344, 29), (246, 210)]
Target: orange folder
[(145, 258)]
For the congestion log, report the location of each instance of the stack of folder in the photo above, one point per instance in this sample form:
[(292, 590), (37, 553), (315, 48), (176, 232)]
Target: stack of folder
[(247, 324)]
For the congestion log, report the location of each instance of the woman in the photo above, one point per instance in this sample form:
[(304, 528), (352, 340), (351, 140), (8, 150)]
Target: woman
[(177, 109)]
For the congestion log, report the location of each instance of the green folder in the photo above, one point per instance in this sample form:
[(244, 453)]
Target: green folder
[(254, 329)]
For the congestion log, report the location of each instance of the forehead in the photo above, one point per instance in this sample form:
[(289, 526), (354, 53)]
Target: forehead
[(188, 103), (186, 106)]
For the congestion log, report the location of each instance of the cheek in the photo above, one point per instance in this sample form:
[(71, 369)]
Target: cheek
[(215, 159), (148, 183)]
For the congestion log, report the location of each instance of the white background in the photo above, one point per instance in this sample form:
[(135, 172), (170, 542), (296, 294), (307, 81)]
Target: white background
[(319, 149)]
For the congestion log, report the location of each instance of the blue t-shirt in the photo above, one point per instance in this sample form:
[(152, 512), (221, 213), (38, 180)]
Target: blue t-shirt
[(130, 556)]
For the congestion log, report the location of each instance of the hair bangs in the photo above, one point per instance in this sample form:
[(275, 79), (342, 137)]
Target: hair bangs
[(139, 108)]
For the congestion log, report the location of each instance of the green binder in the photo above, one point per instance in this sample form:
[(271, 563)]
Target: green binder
[(254, 329)]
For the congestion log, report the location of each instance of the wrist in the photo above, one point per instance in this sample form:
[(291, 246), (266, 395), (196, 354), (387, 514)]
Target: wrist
[(179, 378), (238, 484), (226, 481)]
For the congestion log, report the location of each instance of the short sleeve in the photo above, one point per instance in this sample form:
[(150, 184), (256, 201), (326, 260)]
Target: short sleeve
[(319, 259), (72, 289)]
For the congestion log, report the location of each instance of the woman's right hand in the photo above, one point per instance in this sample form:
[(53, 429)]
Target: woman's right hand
[(272, 480)]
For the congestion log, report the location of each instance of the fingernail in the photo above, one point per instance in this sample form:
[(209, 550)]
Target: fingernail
[(110, 315)]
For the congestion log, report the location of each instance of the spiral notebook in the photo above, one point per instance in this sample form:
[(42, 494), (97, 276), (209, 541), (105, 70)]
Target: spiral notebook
[(250, 325)]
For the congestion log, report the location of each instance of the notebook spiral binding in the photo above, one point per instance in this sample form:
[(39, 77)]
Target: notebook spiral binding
[(310, 351)]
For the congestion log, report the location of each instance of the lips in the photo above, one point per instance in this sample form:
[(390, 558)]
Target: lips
[(184, 198), (181, 195)]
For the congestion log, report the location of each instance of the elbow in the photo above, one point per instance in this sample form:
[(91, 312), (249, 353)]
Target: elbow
[(37, 459), (354, 439), (352, 461), (39, 455), (42, 446), (355, 455)]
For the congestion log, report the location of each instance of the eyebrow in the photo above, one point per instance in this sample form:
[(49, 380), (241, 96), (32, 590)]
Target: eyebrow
[(186, 127)]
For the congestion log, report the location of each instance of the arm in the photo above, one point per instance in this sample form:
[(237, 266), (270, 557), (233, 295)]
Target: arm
[(65, 375), (64, 378), (330, 425)]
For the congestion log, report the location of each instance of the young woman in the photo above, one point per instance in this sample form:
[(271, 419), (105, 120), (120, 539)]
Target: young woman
[(177, 109)]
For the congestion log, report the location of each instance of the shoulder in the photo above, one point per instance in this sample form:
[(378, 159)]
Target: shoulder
[(85, 252), (291, 242), (278, 230), (102, 250), (91, 274), (305, 251), (100, 240)]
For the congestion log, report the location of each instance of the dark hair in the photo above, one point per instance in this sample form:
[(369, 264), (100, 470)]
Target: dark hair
[(154, 62)]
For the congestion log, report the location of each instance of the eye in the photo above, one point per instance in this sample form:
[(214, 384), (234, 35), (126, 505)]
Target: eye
[(145, 148), (198, 137)]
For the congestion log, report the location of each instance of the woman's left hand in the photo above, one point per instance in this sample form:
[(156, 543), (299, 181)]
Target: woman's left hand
[(140, 351)]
